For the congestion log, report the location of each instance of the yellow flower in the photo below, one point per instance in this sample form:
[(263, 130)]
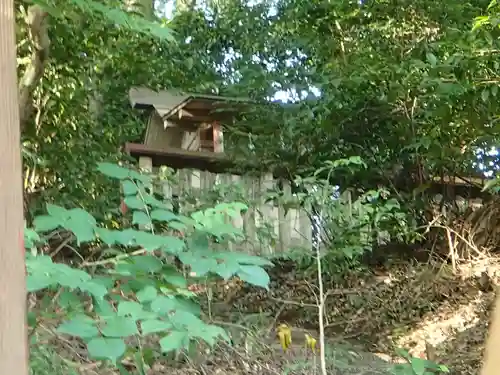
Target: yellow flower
[(285, 336), (310, 343)]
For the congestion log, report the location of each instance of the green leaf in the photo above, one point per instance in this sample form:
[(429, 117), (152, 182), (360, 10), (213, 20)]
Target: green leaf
[(198, 216), (142, 177), (173, 245), (128, 237), (148, 241), (175, 340), (130, 308), (95, 289), (83, 231), (226, 269), (105, 281), (154, 326), (124, 269), (107, 236), (140, 218), (79, 327), (36, 282), (431, 59), (198, 242), (402, 353), (188, 305), (186, 320), (68, 300), (163, 215), (164, 305), (106, 348), (254, 275), (57, 211), (200, 265), (209, 333), (113, 170), (104, 308), (485, 94), (153, 202), (31, 237), (134, 203), (46, 223), (119, 327), (177, 226), (80, 214), (418, 366), (31, 319), (174, 277), (186, 220), (146, 263), (129, 188), (252, 260), (82, 224), (152, 242), (444, 369), (494, 90), (402, 369), (147, 294)]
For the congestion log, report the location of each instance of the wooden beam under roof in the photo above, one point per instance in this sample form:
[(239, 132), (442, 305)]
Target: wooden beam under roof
[(178, 158)]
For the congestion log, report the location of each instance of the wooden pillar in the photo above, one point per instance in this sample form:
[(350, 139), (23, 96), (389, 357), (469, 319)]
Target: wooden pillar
[(13, 333), (146, 165), (218, 137)]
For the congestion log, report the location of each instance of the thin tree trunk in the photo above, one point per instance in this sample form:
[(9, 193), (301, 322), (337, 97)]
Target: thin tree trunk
[(13, 339), (184, 5), (36, 22), (491, 364)]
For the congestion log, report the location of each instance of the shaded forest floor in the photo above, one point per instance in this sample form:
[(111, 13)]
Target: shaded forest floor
[(369, 314)]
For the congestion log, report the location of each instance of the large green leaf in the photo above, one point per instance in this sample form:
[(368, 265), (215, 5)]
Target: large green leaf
[(84, 328), (146, 263), (254, 275), (163, 215), (155, 326), (113, 170), (175, 340), (106, 348), (119, 326), (46, 223)]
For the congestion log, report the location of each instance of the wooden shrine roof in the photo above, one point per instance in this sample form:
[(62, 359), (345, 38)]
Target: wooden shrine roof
[(177, 105)]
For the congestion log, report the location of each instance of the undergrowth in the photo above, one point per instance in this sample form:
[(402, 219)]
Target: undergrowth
[(45, 360), (129, 300)]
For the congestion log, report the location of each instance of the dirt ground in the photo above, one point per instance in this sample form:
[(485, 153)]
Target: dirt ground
[(425, 308)]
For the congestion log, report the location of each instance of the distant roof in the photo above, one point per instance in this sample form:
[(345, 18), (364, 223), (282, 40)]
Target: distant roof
[(171, 102)]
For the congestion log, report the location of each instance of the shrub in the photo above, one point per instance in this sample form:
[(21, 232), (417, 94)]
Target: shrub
[(114, 303)]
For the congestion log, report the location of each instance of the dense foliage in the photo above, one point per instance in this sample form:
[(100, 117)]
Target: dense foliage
[(403, 85)]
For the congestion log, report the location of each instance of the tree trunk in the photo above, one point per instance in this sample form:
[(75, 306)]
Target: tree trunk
[(184, 5), (36, 23), (13, 337), (491, 360), (143, 8)]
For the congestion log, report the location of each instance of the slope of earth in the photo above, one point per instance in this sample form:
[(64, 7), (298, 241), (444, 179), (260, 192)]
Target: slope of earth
[(421, 307)]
